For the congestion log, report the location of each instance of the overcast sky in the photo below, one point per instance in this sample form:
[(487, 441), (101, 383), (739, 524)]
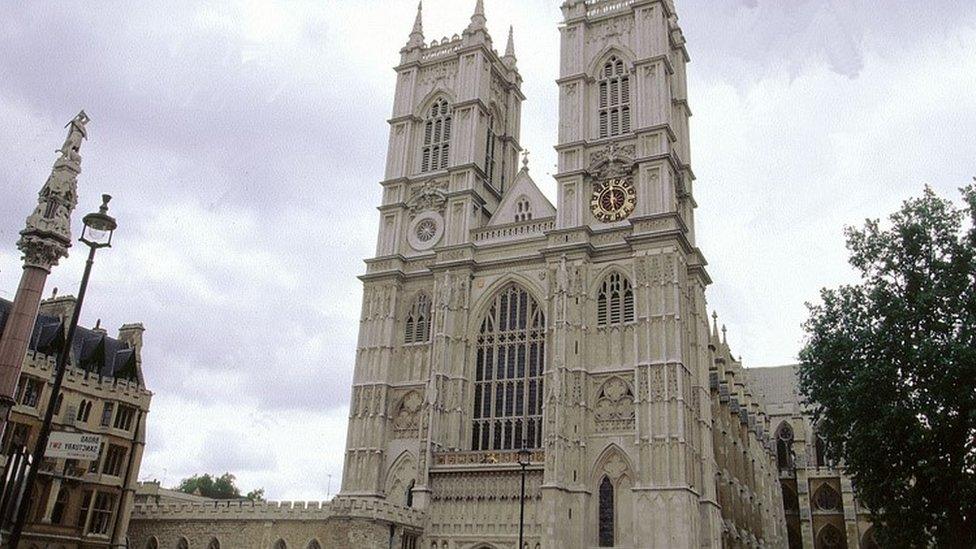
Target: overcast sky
[(244, 142)]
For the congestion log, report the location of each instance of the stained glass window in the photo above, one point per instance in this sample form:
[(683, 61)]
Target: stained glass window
[(508, 373), (606, 513)]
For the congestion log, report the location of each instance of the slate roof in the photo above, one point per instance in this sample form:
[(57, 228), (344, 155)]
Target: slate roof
[(91, 350)]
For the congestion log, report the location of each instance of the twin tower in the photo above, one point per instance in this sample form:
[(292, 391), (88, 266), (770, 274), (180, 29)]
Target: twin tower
[(494, 322)]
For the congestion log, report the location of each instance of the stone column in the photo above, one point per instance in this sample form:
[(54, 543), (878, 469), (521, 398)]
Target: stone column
[(44, 241)]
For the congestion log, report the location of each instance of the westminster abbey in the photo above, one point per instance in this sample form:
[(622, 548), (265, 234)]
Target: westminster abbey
[(502, 335)]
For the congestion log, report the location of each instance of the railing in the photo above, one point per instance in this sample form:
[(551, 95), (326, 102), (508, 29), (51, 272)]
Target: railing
[(491, 457), (440, 50), (595, 8), (514, 230)]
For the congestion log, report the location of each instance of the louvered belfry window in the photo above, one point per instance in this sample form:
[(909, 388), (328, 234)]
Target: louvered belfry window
[(508, 373), (437, 137), (614, 99), (615, 304), (418, 321)]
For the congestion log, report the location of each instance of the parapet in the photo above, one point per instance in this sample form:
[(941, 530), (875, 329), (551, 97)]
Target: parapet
[(339, 507)]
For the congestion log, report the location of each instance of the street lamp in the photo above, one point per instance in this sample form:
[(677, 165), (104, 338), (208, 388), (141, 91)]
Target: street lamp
[(524, 458), (97, 233)]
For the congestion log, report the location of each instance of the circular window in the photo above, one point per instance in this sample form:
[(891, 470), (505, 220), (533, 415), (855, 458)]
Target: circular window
[(425, 231), (827, 499)]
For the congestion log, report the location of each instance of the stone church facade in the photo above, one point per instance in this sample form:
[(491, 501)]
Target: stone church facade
[(493, 321)]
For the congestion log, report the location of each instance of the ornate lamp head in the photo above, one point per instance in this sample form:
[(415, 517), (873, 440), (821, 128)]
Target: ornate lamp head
[(99, 226), (524, 456)]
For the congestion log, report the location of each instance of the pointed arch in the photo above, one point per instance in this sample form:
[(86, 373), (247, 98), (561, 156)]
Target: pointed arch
[(183, 543), (280, 544), (214, 543), (606, 519), (615, 300), (784, 446), (870, 540), (613, 462), (313, 544), (418, 320), (437, 115), (830, 537), (152, 543), (826, 498), (399, 477), (508, 370), (600, 60)]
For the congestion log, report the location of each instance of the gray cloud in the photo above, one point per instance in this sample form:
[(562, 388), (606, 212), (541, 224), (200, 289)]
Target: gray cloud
[(244, 142)]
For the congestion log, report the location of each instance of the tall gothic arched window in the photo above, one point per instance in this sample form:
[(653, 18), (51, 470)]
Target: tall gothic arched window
[(417, 329), (820, 451), (784, 447), (491, 140), (508, 373), (614, 98), (437, 137), (214, 544), (615, 303), (606, 513)]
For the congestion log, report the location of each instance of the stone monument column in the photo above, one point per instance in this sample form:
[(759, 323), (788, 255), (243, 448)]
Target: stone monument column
[(44, 241)]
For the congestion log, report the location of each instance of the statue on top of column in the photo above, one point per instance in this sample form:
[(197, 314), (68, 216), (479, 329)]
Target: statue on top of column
[(47, 235)]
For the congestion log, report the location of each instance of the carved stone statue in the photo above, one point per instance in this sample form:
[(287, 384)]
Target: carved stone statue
[(47, 234)]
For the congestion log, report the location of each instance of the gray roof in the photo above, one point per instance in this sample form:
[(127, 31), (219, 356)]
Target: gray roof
[(91, 350), (777, 385)]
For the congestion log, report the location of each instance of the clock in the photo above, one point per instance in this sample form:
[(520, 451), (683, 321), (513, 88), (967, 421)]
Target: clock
[(613, 199)]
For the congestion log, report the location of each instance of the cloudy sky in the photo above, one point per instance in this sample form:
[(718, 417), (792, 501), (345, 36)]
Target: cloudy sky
[(244, 142)]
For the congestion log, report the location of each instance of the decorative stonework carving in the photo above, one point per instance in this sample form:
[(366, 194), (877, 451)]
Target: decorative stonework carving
[(614, 410), (406, 417), (613, 161), (616, 31), (47, 234), (429, 196)]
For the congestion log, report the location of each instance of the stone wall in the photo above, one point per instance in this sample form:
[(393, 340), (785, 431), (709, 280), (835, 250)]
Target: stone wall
[(341, 523)]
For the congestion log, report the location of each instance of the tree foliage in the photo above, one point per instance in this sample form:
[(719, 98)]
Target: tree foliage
[(222, 487), (889, 367)]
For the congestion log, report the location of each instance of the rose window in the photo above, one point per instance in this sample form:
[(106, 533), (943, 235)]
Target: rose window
[(426, 230)]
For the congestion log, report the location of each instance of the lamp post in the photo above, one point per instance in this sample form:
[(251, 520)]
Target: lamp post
[(524, 458), (97, 233)]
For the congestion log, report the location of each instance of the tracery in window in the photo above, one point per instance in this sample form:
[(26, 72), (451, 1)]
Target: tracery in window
[(84, 410), (614, 98), (784, 446), (523, 210), (827, 499), (615, 303), (606, 513), (508, 373), (437, 137), (830, 538), (417, 328)]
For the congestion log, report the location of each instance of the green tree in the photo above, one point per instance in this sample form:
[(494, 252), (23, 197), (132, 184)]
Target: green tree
[(889, 367), (222, 487)]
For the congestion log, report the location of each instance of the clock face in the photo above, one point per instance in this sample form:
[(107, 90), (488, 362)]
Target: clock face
[(613, 199)]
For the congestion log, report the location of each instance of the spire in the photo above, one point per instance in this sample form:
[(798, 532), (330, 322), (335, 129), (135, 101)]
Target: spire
[(510, 47), (715, 324), (478, 20), (417, 34)]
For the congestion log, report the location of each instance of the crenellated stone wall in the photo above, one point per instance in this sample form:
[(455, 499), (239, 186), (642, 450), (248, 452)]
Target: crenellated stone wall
[(340, 523)]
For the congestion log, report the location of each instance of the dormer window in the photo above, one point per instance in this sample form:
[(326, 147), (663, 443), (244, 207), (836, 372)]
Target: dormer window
[(437, 137), (523, 210), (614, 99)]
